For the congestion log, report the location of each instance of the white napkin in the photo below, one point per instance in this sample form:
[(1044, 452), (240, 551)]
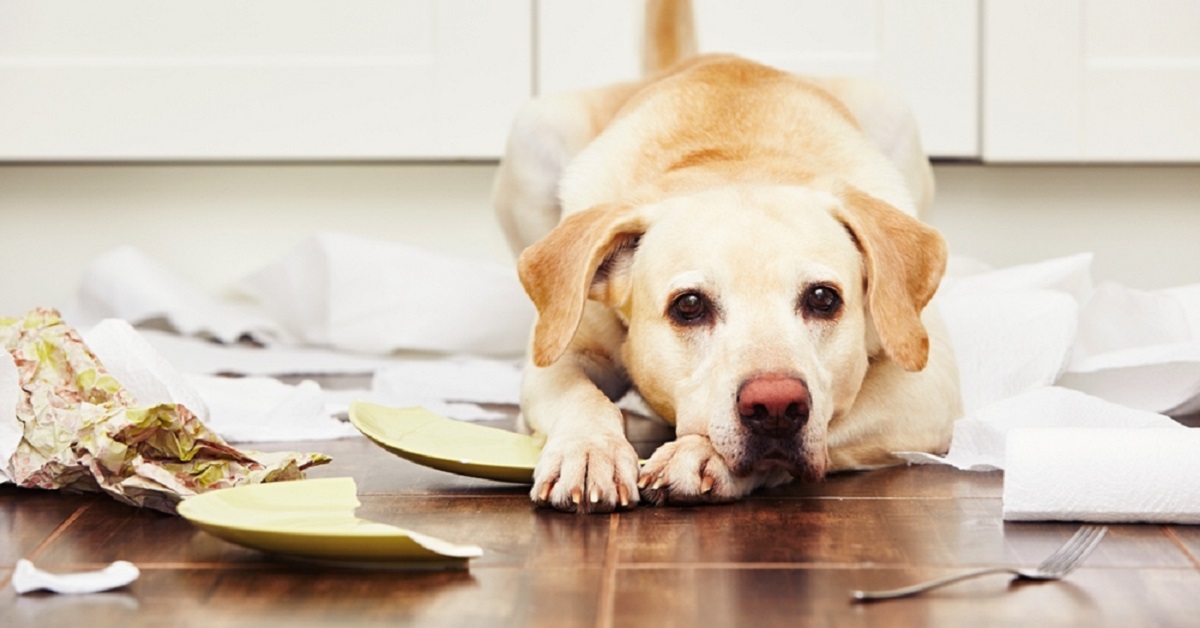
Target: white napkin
[(1103, 475), (1140, 348), (1008, 342), (452, 387), (1013, 329), (261, 409), (126, 283), (332, 290), (376, 297), (979, 440), (196, 355), (28, 578), (457, 379)]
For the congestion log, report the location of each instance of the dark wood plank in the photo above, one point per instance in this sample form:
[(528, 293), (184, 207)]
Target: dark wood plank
[(304, 595), (897, 483), (29, 516), (110, 531), (869, 531), (820, 597), (1188, 538)]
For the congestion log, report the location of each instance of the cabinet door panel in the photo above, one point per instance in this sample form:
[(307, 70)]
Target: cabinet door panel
[(1092, 81), (264, 79), (928, 48)]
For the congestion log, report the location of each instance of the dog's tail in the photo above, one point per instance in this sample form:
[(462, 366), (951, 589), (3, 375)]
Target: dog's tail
[(670, 35)]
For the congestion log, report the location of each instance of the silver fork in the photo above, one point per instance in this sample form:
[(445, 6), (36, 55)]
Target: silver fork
[(1056, 566)]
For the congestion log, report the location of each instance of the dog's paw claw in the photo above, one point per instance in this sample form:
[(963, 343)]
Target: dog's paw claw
[(690, 471), (596, 474)]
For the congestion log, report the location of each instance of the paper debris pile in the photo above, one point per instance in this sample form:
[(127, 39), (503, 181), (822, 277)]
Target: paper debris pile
[(77, 428)]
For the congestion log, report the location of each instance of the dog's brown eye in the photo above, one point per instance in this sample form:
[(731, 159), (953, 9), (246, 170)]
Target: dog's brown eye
[(689, 308), (822, 302)]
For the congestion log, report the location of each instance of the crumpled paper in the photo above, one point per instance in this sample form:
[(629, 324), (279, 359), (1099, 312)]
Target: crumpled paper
[(82, 430)]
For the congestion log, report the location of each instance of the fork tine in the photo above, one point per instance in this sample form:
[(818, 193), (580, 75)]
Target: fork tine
[(1074, 551)]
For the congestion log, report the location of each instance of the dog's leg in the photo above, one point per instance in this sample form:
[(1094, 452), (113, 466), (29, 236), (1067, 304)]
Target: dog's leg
[(587, 464)]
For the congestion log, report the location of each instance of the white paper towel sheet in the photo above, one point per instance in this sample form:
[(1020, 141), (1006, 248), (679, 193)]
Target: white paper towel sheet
[(979, 439), (332, 290), (373, 296), (1103, 475), (126, 283)]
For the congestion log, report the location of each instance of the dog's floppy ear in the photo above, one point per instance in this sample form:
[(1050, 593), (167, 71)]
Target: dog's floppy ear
[(905, 260), (564, 268)]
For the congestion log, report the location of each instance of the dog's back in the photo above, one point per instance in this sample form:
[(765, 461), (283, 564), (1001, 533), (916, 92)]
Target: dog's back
[(717, 120), (543, 175)]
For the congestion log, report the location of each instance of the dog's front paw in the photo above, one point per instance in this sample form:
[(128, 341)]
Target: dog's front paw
[(689, 471), (596, 473)]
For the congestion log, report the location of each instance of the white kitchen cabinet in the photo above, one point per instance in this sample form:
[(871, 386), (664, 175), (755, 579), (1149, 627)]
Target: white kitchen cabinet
[(1091, 81), (261, 79), (147, 80), (928, 48)]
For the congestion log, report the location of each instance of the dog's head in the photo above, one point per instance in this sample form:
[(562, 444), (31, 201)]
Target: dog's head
[(752, 313)]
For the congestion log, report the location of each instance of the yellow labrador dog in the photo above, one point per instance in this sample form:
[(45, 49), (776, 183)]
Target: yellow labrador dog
[(740, 246)]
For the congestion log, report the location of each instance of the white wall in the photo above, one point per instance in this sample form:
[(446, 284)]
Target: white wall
[(213, 223), (1142, 222)]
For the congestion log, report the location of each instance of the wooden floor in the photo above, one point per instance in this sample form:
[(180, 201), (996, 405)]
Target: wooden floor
[(786, 557)]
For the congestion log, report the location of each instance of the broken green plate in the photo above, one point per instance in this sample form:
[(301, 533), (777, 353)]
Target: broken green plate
[(435, 441), (314, 520)]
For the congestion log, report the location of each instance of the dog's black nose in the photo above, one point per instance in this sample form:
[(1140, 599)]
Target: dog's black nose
[(773, 405)]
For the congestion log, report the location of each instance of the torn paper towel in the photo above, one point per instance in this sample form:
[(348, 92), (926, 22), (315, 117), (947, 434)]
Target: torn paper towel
[(26, 578), (263, 409), (1103, 475), (1006, 343), (978, 443), (127, 284), (452, 387), (1140, 348), (332, 290), (82, 430), (373, 296), (196, 355), (454, 379), (1013, 329)]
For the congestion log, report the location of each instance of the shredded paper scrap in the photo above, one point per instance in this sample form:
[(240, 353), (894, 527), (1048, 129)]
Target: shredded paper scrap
[(81, 430)]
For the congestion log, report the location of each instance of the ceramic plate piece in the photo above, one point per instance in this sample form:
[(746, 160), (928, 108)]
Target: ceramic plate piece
[(314, 520), (428, 439)]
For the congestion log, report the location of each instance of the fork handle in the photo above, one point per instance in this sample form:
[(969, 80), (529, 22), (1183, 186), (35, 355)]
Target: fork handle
[(866, 596)]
